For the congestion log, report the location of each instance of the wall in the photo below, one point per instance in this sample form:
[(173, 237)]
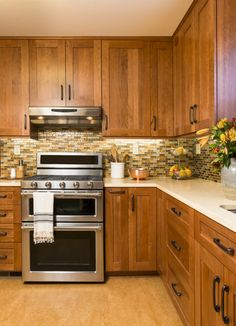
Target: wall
[(156, 155)]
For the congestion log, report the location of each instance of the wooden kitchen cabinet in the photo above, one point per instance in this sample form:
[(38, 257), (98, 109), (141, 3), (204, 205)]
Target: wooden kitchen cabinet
[(10, 229), (117, 229), (195, 104), (179, 256), (65, 72), (14, 94), (184, 49), (216, 273), (161, 88), (126, 87), (130, 229), (226, 58)]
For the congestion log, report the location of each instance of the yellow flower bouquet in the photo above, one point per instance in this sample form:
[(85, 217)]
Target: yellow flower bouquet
[(223, 142)]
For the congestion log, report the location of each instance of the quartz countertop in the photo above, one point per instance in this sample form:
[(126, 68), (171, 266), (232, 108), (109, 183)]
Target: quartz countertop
[(202, 195), (10, 183)]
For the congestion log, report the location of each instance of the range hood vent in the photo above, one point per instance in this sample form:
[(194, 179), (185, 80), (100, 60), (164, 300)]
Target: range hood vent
[(86, 118)]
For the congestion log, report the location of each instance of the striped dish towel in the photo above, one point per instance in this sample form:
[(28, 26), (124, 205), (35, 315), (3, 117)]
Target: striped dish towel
[(43, 217)]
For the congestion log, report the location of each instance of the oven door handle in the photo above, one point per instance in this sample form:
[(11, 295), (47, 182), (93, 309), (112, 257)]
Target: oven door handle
[(69, 228), (69, 194)]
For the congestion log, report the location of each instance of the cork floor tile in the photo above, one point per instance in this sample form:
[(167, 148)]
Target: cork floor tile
[(121, 301)]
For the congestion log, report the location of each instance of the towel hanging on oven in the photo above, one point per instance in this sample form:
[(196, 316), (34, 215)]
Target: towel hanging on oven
[(43, 217)]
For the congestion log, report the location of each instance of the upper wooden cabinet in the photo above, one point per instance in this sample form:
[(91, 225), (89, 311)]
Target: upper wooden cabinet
[(137, 88), (130, 229), (161, 87), (194, 69), (125, 91), (65, 72), (14, 100), (226, 58)]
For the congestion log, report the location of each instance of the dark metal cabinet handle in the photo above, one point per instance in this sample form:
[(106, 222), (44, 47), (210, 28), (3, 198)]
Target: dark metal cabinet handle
[(175, 245), (69, 92), (3, 196), (3, 257), (62, 93), (225, 290), (195, 113), (191, 109), (25, 121), (227, 250), (178, 293), (132, 203), (119, 192), (215, 305), (176, 211), (154, 122), (3, 233), (3, 214), (106, 121)]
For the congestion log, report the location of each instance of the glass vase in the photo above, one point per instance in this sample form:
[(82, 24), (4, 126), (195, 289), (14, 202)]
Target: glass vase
[(228, 180)]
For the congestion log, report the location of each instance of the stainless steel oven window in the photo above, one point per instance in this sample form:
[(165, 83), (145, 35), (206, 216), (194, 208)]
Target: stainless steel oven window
[(65, 276)]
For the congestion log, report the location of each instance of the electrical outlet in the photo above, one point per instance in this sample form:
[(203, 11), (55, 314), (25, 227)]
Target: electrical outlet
[(198, 149), (135, 149), (17, 149)]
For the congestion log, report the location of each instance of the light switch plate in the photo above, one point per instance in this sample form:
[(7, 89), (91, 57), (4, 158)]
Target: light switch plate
[(135, 149), (17, 149), (198, 149)]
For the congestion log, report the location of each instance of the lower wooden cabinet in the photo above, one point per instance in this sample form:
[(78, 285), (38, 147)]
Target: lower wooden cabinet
[(10, 229), (215, 291), (130, 229), (215, 288)]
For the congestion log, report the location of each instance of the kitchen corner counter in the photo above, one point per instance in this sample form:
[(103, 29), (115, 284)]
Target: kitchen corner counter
[(10, 183), (202, 195)]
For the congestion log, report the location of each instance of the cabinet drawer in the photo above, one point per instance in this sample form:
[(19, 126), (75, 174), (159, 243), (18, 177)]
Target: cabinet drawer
[(10, 233), (10, 256), (179, 289), (178, 244), (181, 213), (10, 214), (9, 196), (217, 239)]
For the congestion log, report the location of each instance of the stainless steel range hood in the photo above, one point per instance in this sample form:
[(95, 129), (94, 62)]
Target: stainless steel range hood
[(82, 118)]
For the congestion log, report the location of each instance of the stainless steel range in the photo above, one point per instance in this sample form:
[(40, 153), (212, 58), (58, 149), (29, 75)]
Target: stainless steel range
[(77, 254)]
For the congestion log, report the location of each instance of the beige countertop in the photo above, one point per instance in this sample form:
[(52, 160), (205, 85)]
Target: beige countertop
[(10, 183), (202, 195)]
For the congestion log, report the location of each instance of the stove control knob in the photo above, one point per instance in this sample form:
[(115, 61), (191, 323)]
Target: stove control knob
[(34, 184), (90, 184), (76, 185), (62, 185), (48, 184)]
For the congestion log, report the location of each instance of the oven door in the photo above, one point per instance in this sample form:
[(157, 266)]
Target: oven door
[(69, 206), (77, 254)]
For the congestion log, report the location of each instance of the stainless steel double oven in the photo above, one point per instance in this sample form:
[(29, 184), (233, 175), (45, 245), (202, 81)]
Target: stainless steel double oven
[(77, 254)]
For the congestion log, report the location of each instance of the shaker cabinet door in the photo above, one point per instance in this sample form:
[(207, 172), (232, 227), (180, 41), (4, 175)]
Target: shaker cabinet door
[(142, 229), (47, 73), (83, 72), (161, 87), (125, 91), (14, 93), (116, 226)]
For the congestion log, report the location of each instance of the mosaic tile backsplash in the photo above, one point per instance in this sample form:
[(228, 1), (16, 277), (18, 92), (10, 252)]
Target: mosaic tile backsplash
[(154, 154)]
